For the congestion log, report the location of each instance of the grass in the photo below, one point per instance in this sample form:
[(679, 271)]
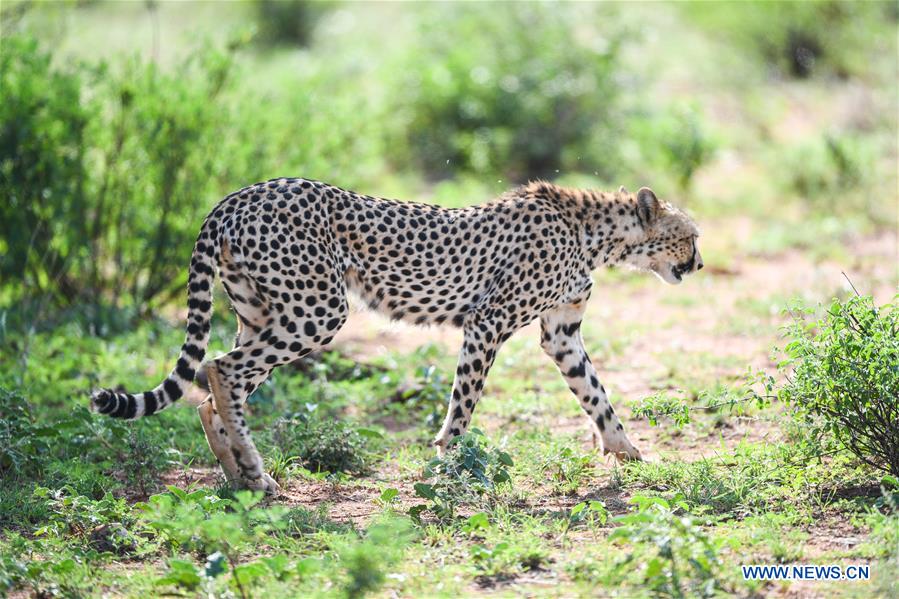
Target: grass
[(79, 507)]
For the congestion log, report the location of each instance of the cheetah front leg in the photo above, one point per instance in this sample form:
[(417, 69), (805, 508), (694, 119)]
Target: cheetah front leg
[(481, 342), (561, 339)]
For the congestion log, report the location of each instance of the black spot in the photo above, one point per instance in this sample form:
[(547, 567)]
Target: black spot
[(578, 371), (571, 329)]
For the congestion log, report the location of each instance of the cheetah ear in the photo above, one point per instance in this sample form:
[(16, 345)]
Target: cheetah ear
[(648, 207), (622, 190)]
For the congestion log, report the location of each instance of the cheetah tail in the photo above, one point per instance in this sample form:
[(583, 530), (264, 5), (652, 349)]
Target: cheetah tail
[(119, 404)]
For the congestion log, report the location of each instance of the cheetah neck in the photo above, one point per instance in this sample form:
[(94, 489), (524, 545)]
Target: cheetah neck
[(610, 228), (607, 222)]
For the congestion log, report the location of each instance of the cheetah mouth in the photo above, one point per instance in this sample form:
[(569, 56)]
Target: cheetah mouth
[(670, 273), (679, 270)]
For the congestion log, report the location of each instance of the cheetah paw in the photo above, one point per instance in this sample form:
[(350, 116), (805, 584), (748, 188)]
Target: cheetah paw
[(633, 455), (623, 451), (264, 483)]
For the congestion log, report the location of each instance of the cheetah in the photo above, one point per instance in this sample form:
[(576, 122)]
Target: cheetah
[(288, 251)]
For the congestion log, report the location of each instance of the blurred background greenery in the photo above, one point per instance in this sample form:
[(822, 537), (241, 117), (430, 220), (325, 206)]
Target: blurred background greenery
[(122, 123)]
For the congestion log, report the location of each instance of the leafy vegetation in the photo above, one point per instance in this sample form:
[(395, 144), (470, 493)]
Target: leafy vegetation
[(469, 471), (507, 102), (322, 445), (680, 559), (845, 378), (289, 21)]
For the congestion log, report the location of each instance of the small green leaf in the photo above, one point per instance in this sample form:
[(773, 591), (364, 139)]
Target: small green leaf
[(577, 509), (425, 491), (389, 494), (370, 433), (415, 512), (181, 573), (247, 573), (476, 522), (504, 458)]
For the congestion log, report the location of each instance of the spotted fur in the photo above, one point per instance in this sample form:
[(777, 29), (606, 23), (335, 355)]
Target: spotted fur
[(289, 250)]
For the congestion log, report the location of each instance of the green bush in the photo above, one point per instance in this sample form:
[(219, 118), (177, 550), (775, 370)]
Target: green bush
[(675, 140), (322, 445), (221, 530), (844, 378), (839, 175), (565, 468), (363, 560), (824, 170), (289, 21), (424, 399), (518, 89), (43, 178), (671, 554), (110, 169), (23, 443), (804, 39), (103, 525), (471, 469)]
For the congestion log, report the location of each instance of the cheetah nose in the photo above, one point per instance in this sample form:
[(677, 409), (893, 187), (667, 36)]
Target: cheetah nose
[(699, 266)]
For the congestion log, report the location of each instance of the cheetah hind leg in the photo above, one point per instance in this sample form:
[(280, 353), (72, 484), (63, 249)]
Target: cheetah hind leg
[(218, 440), (260, 482)]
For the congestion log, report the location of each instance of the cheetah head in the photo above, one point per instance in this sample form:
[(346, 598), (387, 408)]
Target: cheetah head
[(669, 247)]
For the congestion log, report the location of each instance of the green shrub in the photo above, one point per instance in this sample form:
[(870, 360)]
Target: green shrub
[(841, 176), (471, 469), (322, 445), (289, 21), (423, 399), (844, 378), (23, 444), (566, 468), (222, 531), (671, 554), (804, 39), (110, 169), (43, 178), (102, 525), (363, 560), (519, 89), (824, 169), (675, 140)]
